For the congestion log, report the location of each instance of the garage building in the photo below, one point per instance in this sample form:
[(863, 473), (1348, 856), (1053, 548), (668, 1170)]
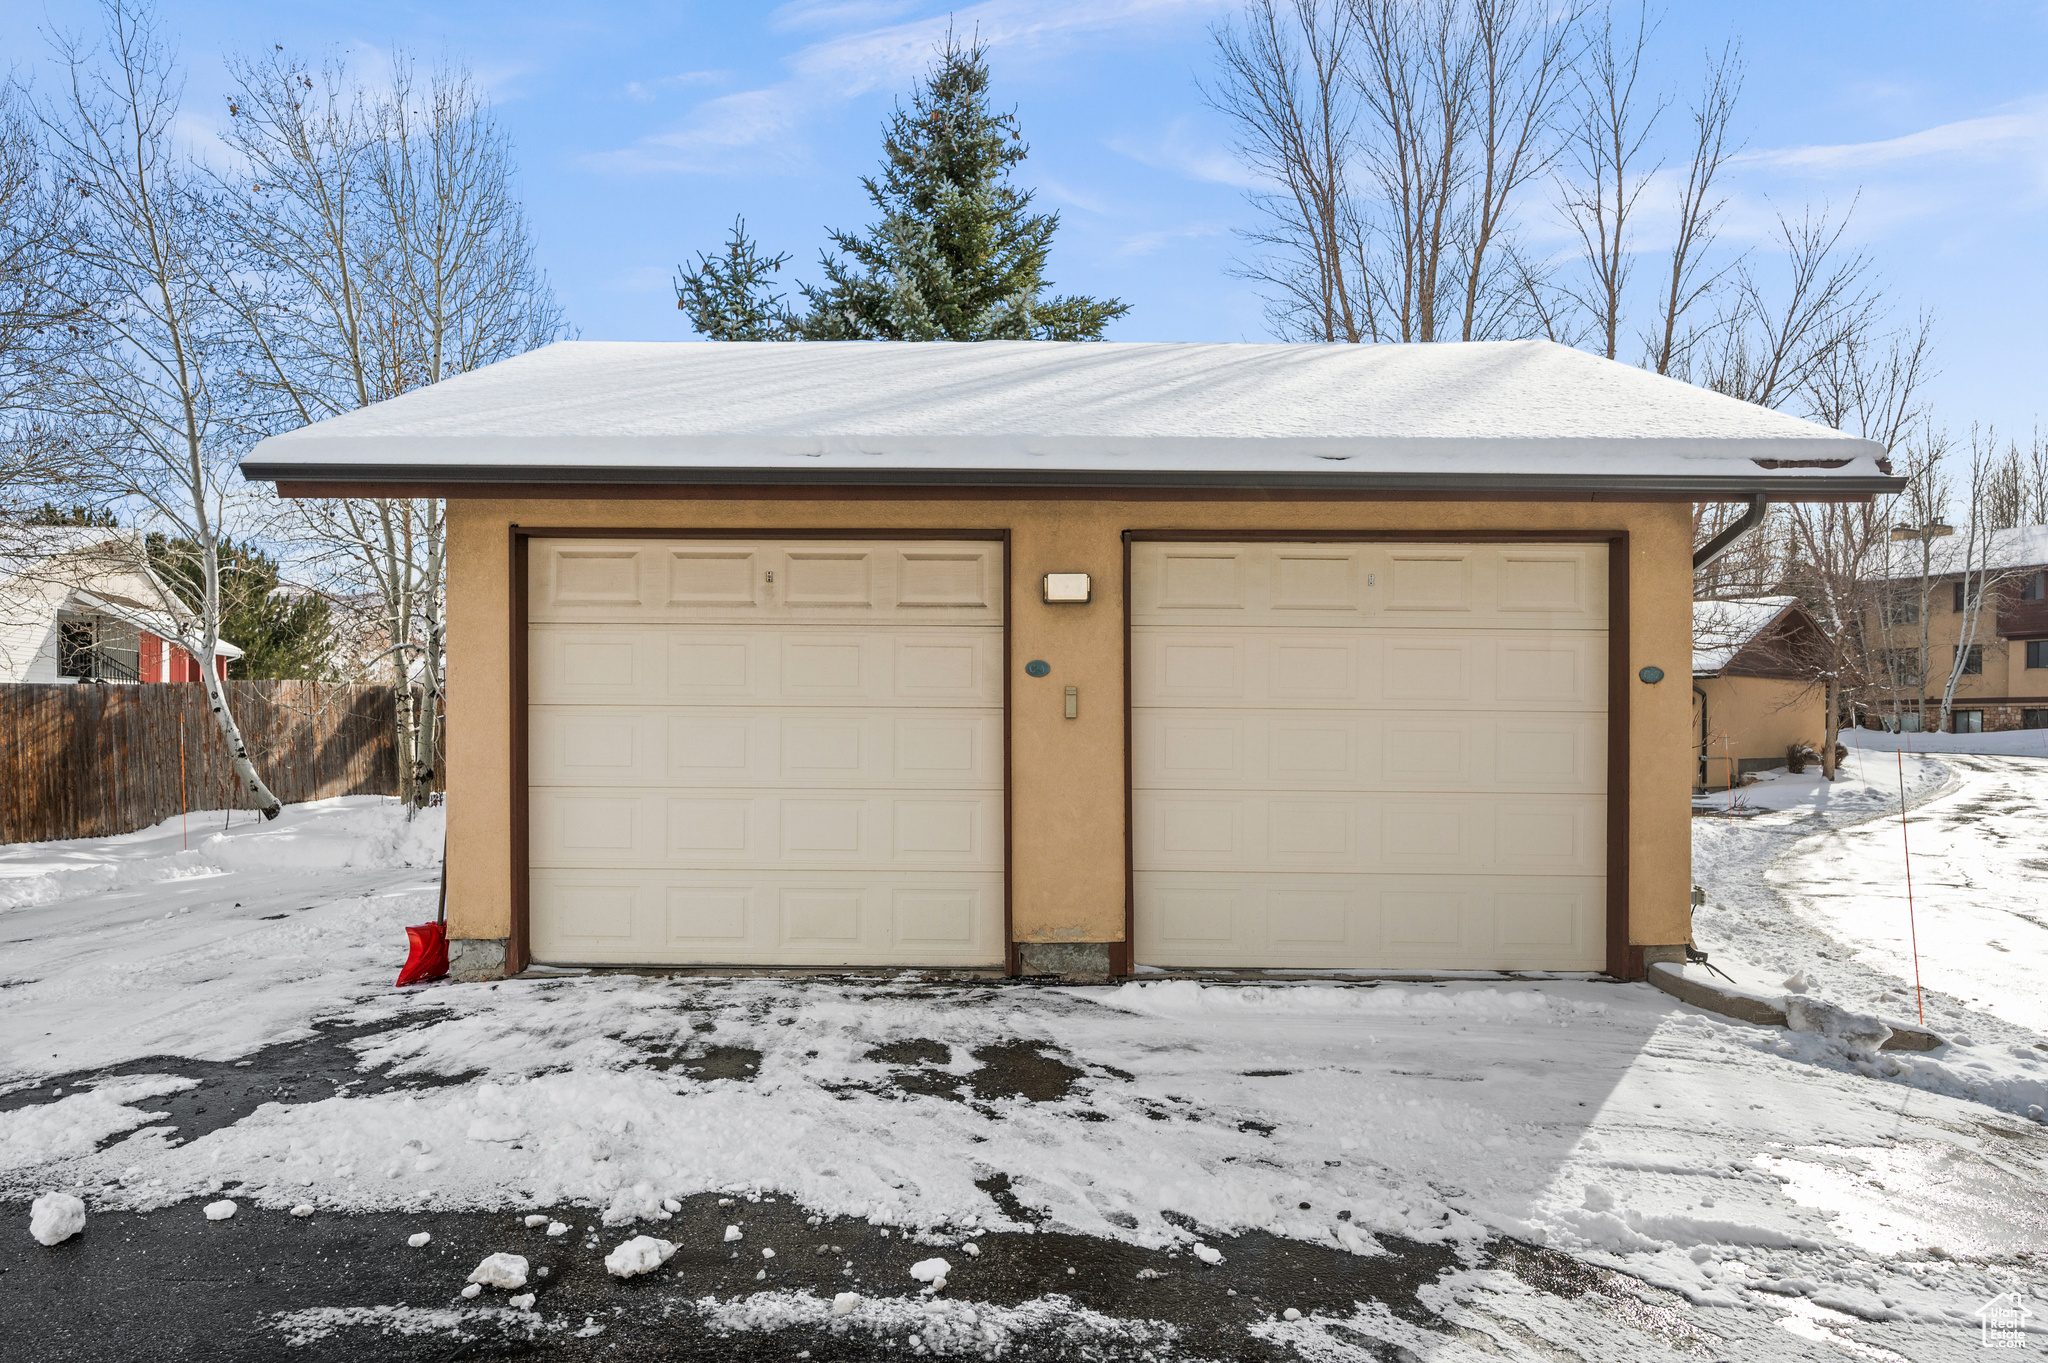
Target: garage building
[(1069, 658)]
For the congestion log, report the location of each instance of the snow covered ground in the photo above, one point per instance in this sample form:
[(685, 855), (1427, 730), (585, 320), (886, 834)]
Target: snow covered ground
[(1769, 1194)]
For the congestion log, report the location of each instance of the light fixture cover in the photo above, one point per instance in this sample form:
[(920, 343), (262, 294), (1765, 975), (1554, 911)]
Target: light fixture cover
[(1067, 589)]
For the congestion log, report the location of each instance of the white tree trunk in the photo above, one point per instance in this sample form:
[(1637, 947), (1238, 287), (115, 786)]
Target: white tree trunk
[(253, 790)]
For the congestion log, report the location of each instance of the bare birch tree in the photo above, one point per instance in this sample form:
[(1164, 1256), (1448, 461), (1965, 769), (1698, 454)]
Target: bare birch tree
[(1691, 279), (1287, 89), (42, 304), (384, 249), (1613, 164), (1983, 561), (158, 386), (1397, 137), (1875, 387)]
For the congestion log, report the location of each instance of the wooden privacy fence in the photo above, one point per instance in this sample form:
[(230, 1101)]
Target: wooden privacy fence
[(89, 761)]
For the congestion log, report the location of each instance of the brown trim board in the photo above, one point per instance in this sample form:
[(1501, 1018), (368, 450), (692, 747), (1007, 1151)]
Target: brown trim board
[(829, 492), (1623, 960), (1124, 960), (516, 947), (516, 942)]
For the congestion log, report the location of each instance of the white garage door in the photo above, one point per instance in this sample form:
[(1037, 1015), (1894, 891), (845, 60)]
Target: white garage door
[(1370, 756), (772, 753)]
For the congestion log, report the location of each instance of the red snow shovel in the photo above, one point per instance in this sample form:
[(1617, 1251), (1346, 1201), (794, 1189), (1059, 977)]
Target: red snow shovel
[(428, 957)]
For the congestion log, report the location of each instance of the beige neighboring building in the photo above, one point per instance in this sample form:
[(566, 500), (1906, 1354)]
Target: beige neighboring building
[(2005, 680), (1075, 659), (1752, 683)]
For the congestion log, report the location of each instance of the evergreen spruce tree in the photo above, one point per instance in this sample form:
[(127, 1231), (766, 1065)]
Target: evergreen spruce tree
[(729, 296), (281, 634), (958, 255)]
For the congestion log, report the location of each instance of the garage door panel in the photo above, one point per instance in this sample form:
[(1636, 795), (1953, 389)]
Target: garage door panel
[(686, 747), (766, 752), (1386, 922), (952, 829), (1472, 834), (908, 582), (1368, 751), (1379, 668), (1338, 586), (778, 917), (776, 665), (1377, 756)]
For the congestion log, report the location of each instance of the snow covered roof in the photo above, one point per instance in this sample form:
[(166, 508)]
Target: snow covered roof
[(143, 618), (1502, 415), (1999, 550), (1722, 629)]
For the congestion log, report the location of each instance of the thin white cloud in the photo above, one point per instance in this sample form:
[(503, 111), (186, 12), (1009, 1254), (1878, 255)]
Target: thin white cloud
[(1061, 192), (757, 130), (1183, 151), (814, 14), (1145, 243), (647, 91), (2019, 129)]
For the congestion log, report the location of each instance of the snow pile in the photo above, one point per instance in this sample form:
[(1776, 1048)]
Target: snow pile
[(54, 1218), (641, 1254), (221, 1210), (936, 1325), (1856, 1031), (931, 1271), (501, 1270), (208, 962), (315, 1323), (361, 832), (80, 1121), (2006, 743)]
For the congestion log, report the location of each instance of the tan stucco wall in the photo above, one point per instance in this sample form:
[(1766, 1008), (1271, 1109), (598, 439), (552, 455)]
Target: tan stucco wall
[(1757, 717), (2005, 674), (1067, 791)]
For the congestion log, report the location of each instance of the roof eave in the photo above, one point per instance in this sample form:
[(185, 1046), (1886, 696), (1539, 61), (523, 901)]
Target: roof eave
[(1776, 486)]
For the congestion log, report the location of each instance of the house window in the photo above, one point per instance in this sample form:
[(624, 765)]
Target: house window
[(1902, 666), (1903, 610), (75, 653), (2034, 719), (1973, 662), (1968, 721), (95, 648), (2036, 586), (1908, 721), (2037, 653)]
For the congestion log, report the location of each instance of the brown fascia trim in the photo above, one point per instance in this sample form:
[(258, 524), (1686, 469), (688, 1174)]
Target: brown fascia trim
[(636, 485)]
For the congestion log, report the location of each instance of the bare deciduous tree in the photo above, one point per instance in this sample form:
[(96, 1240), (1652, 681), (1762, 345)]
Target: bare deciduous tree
[(1287, 89), (158, 387), (384, 249), (1398, 137), (41, 308), (1700, 201), (1608, 148)]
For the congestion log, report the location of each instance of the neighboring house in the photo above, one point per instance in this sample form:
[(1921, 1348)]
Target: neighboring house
[(77, 604), (2005, 674), (1753, 684), (1067, 658)]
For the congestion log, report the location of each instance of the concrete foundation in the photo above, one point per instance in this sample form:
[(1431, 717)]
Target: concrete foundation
[(476, 958), (1081, 961)]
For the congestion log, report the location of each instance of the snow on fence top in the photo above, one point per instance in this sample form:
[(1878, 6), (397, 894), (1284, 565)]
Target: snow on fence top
[(1502, 414)]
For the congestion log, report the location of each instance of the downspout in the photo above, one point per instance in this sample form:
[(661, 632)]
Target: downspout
[(1723, 542), (1700, 691)]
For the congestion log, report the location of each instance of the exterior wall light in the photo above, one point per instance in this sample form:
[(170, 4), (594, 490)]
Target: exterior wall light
[(1067, 589)]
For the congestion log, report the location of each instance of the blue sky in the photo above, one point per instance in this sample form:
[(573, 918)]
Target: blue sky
[(642, 129)]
